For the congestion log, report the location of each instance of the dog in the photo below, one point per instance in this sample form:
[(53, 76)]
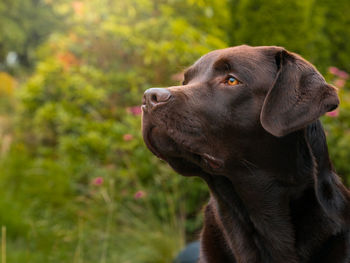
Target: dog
[(246, 120)]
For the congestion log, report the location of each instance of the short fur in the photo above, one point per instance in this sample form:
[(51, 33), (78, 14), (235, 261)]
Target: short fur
[(262, 151)]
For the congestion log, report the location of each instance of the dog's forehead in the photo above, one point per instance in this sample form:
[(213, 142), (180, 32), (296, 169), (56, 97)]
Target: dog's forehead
[(240, 55), (248, 62), (231, 51)]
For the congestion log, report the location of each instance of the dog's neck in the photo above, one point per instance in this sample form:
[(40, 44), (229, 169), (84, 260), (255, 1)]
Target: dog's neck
[(259, 205), (256, 214)]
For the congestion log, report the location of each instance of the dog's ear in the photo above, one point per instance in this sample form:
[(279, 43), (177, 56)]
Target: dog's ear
[(298, 96)]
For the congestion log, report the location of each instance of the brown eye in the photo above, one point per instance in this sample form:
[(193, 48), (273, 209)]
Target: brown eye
[(232, 81)]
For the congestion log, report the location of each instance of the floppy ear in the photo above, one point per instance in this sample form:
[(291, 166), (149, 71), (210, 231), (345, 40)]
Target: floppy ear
[(298, 97)]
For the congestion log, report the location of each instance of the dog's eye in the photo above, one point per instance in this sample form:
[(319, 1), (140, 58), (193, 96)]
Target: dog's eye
[(232, 81)]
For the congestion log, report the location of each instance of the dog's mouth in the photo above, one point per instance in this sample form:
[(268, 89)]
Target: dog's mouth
[(183, 158)]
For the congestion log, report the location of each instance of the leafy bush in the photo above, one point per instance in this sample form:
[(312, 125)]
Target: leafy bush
[(337, 124), (87, 188)]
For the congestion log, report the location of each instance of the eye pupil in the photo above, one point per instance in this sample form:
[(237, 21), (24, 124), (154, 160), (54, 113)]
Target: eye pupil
[(231, 80)]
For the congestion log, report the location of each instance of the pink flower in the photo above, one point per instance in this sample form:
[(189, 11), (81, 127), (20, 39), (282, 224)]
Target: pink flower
[(337, 72), (97, 181), (339, 83), (333, 114), (127, 137), (139, 194), (342, 74), (135, 110), (333, 70)]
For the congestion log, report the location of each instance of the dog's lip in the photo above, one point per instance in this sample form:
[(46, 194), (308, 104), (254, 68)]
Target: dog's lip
[(150, 144), (207, 159), (146, 109), (213, 162)]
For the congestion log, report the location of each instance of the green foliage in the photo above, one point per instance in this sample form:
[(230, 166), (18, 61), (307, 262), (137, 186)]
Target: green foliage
[(315, 29), (78, 184), (77, 122), (337, 125), (336, 33), (24, 25), (273, 24)]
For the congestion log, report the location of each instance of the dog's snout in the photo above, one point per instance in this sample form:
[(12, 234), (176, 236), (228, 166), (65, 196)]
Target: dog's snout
[(155, 96)]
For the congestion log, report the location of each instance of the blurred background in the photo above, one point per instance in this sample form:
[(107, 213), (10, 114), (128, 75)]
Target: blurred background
[(77, 183)]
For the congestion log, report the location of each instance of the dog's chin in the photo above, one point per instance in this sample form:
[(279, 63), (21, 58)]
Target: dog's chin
[(185, 167), (183, 161), (159, 143)]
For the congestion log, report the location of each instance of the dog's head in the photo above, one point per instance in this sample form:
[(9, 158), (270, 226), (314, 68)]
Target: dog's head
[(231, 100)]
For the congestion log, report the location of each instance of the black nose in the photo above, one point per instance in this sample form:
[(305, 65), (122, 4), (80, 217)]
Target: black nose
[(155, 96)]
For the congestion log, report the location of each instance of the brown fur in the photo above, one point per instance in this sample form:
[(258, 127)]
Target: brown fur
[(262, 151)]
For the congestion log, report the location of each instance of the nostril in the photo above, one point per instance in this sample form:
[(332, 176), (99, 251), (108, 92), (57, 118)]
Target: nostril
[(162, 95), (154, 98)]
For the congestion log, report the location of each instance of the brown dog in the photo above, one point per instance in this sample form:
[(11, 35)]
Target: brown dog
[(246, 121)]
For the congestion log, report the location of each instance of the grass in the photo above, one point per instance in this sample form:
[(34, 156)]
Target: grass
[(48, 219), (3, 244)]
